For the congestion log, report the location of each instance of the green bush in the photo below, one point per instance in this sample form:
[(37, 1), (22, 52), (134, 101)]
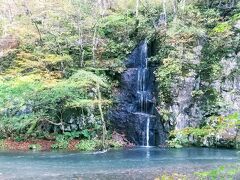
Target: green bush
[(222, 28), (61, 142), (88, 145), (16, 126), (27, 102), (35, 147), (114, 144), (2, 144), (222, 172), (214, 126)]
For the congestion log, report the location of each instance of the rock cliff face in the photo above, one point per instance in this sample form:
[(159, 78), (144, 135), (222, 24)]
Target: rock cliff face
[(194, 102), (191, 107)]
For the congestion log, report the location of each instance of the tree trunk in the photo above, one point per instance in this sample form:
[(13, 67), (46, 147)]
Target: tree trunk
[(29, 14), (104, 130), (165, 12), (175, 8), (137, 7), (94, 41), (80, 37), (183, 4)]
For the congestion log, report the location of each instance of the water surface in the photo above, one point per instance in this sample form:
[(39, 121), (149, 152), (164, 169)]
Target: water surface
[(135, 163)]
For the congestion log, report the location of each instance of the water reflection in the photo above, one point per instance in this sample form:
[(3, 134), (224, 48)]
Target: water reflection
[(148, 153)]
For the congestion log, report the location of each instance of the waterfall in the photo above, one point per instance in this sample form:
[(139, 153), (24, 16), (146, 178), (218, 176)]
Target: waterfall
[(147, 131), (143, 91), (135, 113)]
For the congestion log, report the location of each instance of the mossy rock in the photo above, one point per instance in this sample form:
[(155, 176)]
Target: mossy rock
[(238, 141)]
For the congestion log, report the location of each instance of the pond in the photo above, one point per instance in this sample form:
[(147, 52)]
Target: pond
[(133, 163)]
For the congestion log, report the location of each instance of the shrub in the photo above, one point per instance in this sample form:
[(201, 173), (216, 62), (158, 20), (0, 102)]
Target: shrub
[(88, 145), (35, 147), (222, 28), (2, 144), (114, 144), (61, 142), (213, 127), (222, 172)]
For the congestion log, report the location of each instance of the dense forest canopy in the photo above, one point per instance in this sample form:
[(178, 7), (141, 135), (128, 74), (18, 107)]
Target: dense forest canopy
[(60, 62)]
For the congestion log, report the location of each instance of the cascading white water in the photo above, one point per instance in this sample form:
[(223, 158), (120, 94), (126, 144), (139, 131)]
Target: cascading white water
[(147, 131), (136, 115), (143, 91)]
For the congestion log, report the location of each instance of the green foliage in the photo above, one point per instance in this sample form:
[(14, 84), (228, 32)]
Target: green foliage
[(117, 29), (114, 144), (213, 174), (184, 30), (7, 61), (221, 43), (86, 134), (165, 75), (35, 147), (117, 25), (178, 141), (16, 91), (41, 81), (197, 93), (222, 172), (2, 144), (87, 141), (172, 176), (213, 127), (19, 138), (16, 125), (61, 142), (222, 28), (197, 39), (88, 145), (29, 94), (179, 29), (236, 17), (211, 17)]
